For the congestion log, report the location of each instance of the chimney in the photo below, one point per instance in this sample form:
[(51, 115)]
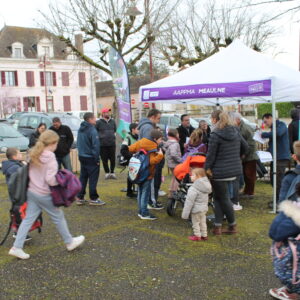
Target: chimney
[(79, 42)]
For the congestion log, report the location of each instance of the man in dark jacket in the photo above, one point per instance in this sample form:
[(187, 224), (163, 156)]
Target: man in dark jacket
[(65, 142), (107, 128), (294, 134), (185, 130), (89, 151), (283, 148)]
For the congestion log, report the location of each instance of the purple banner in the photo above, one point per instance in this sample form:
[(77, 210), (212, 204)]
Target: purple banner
[(124, 111), (216, 90)]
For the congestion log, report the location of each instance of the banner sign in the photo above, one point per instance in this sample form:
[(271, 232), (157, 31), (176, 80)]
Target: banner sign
[(216, 90), (122, 92)]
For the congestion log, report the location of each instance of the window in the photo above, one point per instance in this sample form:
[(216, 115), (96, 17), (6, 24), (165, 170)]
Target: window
[(175, 122), (47, 122), (46, 51), (65, 78), (23, 122), (30, 78), (33, 122), (9, 78), (32, 104), (67, 103), (82, 81), (164, 120), (83, 103), (50, 78), (18, 52)]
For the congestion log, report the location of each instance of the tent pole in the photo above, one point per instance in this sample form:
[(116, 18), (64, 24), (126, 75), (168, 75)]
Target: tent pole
[(274, 156)]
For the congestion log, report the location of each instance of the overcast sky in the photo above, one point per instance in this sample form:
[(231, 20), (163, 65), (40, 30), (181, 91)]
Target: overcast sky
[(25, 13)]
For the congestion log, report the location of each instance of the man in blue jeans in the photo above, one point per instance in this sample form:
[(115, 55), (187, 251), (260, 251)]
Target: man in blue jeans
[(89, 156)]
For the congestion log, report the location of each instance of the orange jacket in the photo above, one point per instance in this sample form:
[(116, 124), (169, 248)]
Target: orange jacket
[(154, 157)]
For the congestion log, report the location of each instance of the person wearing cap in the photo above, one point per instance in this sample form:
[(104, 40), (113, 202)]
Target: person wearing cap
[(65, 143), (106, 127)]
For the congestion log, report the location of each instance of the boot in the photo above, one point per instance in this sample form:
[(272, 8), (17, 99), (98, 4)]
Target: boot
[(217, 230), (230, 230)]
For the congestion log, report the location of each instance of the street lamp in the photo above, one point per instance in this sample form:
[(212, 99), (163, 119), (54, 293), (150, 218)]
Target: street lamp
[(132, 10), (43, 63)]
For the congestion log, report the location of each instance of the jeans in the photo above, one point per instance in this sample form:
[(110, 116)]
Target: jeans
[(156, 183), (223, 204), (65, 161), (37, 203), (249, 168), (144, 191), (233, 190), (89, 171), (108, 154)]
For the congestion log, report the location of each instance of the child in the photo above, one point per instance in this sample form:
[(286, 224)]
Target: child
[(42, 171), (173, 155), (144, 189), (284, 229), (196, 203), (195, 144), (13, 162), (130, 139), (291, 178)]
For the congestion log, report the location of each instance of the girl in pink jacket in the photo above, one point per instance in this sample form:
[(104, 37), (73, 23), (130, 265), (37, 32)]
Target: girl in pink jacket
[(42, 171)]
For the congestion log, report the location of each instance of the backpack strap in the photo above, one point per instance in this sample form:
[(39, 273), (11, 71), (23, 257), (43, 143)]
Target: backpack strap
[(151, 151), (293, 171)]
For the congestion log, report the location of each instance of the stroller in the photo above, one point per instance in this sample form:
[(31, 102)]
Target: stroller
[(182, 174)]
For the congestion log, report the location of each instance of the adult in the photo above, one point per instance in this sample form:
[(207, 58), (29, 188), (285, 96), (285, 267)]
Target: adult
[(293, 129), (282, 146), (223, 164), (89, 156), (65, 143), (205, 131), (36, 134), (250, 159), (146, 125), (215, 118), (106, 127), (185, 130)]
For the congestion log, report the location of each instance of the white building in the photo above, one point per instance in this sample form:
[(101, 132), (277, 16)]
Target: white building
[(39, 73)]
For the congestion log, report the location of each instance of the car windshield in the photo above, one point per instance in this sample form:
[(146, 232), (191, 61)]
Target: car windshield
[(9, 132)]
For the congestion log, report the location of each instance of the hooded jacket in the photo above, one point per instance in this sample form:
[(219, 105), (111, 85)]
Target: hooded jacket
[(9, 167), (145, 127), (65, 142), (288, 185), (33, 138), (154, 157), (88, 142), (197, 197), (287, 223), (173, 153), (224, 152), (247, 133), (106, 130)]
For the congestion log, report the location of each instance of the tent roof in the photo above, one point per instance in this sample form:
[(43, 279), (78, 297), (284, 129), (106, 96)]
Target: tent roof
[(236, 73)]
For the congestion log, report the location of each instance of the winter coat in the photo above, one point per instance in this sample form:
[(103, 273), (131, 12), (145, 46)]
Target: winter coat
[(33, 138), (202, 148), (282, 137), (197, 197), (183, 134), (145, 127), (224, 153), (88, 144), (65, 142), (148, 145), (288, 185), (9, 167), (173, 153), (106, 130), (287, 223), (293, 130), (68, 187), (247, 133)]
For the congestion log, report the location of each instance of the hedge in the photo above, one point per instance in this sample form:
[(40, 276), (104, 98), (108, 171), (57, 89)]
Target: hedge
[(284, 109)]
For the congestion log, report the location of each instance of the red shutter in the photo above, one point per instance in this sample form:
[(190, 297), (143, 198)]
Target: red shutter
[(37, 103), (25, 104), (83, 103), (65, 78), (3, 78), (16, 78), (82, 81), (67, 103), (42, 78), (29, 78), (54, 78), (32, 78)]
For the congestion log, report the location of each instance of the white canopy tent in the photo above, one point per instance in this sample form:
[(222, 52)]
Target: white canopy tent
[(235, 75)]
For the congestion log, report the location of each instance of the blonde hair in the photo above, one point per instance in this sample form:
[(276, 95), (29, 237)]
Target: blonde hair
[(296, 148), (224, 121), (199, 172), (196, 137), (48, 137)]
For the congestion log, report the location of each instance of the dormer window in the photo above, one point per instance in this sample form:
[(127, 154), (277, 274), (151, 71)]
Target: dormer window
[(17, 50), (45, 48)]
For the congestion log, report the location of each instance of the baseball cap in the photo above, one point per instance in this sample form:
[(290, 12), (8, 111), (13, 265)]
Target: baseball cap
[(105, 110)]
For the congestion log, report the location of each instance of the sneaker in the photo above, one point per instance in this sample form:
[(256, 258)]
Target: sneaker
[(237, 206), (156, 206), (161, 193), (123, 190), (77, 241), (96, 202), (149, 217), (283, 294), (19, 253), (194, 238), (107, 176), (81, 201), (28, 237), (112, 176)]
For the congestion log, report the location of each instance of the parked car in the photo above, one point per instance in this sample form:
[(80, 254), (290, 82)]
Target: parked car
[(78, 113), (10, 137), (172, 121)]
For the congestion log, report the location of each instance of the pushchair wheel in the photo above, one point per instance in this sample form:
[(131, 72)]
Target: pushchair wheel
[(171, 207)]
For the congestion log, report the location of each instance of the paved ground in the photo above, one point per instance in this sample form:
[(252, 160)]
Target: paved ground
[(126, 258)]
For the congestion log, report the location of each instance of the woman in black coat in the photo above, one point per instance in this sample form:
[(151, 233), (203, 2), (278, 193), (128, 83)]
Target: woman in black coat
[(223, 164), (36, 134)]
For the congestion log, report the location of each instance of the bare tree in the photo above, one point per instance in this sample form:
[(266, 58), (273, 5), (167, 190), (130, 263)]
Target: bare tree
[(201, 32), (104, 23)]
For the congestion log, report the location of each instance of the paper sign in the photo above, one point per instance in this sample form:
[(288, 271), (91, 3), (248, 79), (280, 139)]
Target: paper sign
[(257, 137), (187, 140), (264, 156)]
